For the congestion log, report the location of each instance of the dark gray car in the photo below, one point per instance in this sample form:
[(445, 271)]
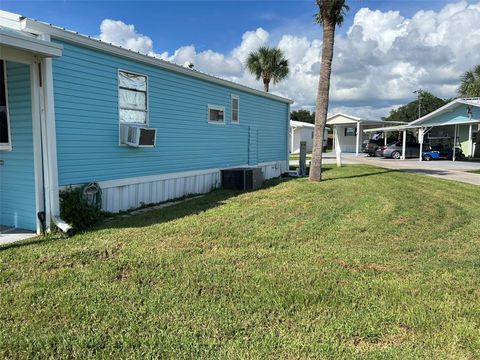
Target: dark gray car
[(394, 150)]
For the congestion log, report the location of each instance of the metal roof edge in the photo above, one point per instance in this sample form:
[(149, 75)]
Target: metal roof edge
[(88, 41)]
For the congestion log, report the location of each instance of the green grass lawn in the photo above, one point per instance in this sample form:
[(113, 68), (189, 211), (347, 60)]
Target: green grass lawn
[(475, 171), (370, 264)]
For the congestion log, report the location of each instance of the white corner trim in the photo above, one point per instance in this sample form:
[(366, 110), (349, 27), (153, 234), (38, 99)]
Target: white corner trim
[(37, 143)]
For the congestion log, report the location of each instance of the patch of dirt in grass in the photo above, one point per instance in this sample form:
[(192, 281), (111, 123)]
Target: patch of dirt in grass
[(402, 334)]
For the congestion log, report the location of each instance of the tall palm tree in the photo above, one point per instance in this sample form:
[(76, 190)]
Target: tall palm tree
[(268, 64), (331, 13), (470, 85)]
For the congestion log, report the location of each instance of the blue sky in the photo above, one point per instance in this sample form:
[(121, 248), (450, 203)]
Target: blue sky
[(207, 24), (383, 51)]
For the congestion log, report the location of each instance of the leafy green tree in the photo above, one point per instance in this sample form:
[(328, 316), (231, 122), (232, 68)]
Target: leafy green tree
[(331, 13), (268, 64), (409, 112), (470, 85), (303, 116)]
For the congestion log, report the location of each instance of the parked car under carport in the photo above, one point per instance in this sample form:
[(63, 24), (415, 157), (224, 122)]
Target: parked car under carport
[(394, 150)]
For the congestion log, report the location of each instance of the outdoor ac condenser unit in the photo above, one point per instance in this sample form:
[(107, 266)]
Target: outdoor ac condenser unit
[(242, 178), (137, 136)]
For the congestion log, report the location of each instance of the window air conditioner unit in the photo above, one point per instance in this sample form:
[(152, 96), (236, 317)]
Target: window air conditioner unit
[(137, 136)]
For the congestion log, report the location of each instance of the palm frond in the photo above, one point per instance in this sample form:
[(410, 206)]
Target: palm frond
[(332, 10), (268, 63)]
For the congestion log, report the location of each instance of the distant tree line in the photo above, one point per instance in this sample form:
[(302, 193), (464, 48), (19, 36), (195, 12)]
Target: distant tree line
[(303, 116), (410, 112)]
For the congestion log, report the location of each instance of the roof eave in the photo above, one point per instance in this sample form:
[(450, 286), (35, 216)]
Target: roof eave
[(85, 40)]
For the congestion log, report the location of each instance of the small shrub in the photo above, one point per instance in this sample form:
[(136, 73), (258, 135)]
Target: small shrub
[(77, 212)]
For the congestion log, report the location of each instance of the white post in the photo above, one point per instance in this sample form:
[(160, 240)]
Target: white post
[(454, 142), (338, 149), (385, 138), (334, 138), (404, 144), (420, 140), (470, 141), (358, 138)]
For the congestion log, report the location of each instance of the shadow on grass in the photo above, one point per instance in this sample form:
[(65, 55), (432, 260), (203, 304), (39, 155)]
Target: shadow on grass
[(362, 175), (185, 208)]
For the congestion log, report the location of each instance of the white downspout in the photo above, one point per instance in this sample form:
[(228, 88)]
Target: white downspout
[(50, 139)]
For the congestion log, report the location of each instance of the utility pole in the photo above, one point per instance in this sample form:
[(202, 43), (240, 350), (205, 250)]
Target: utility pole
[(419, 98)]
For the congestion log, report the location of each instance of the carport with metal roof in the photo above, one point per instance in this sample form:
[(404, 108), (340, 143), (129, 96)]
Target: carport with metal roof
[(463, 112)]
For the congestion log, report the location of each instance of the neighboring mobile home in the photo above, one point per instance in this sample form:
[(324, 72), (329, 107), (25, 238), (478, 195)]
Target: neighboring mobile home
[(72, 108), (302, 131), (348, 131)]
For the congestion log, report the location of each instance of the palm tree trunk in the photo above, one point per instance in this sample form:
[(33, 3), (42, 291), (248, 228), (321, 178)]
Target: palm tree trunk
[(266, 85), (322, 100)]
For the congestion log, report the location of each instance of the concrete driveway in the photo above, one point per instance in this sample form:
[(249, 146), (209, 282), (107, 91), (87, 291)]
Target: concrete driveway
[(10, 235), (443, 169)]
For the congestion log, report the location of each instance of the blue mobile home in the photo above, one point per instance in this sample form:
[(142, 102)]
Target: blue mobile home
[(70, 105)]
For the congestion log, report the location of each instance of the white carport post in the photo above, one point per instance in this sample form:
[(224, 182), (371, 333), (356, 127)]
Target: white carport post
[(385, 137), (404, 144), (470, 141), (358, 138), (421, 133), (454, 142), (338, 149)]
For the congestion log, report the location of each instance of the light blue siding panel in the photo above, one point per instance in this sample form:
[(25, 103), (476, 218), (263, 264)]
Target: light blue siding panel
[(457, 115), (86, 109), (17, 182)]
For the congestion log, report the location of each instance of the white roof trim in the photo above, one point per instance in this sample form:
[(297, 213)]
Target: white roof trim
[(30, 44), (391, 128), (85, 40), (295, 123), (354, 119)]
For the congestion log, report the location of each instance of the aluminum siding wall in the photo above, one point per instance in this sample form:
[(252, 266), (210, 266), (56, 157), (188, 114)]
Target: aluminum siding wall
[(86, 107), (17, 179)]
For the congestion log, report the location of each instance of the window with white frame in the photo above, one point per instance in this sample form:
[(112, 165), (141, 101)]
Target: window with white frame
[(235, 109), (5, 141), (132, 98), (216, 114)]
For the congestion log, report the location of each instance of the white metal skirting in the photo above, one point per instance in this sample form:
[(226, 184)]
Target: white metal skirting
[(126, 194)]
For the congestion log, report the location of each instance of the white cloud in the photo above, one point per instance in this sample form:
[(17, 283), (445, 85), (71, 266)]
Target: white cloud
[(382, 57)]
